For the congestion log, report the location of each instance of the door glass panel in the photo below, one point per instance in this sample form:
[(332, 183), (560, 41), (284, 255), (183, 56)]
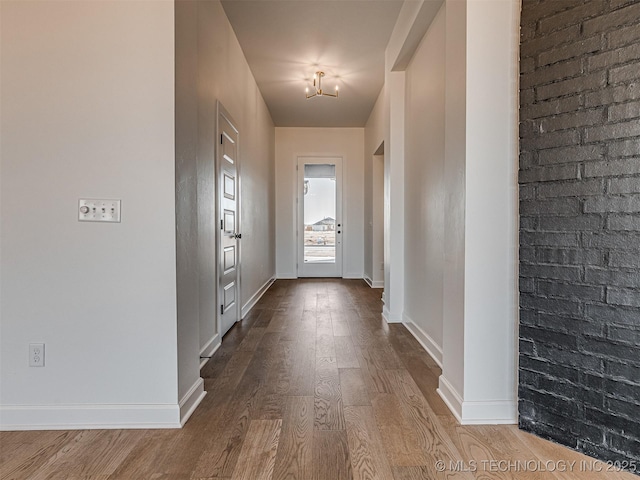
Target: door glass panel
[(319, 213)]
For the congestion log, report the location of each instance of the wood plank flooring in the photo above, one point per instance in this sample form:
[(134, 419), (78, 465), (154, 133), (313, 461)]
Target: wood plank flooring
[(312, 385)]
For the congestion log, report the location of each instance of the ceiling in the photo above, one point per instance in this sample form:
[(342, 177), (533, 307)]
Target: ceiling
[(286, 41)]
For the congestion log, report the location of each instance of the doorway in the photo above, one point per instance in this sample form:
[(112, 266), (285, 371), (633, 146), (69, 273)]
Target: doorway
[(320, 226), (228, 199)]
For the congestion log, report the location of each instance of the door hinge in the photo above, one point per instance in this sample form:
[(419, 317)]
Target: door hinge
[(221, 137), (221, 309), (221, 224)]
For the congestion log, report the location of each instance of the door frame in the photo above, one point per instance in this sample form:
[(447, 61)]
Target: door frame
[(221, 111), (317, 272)]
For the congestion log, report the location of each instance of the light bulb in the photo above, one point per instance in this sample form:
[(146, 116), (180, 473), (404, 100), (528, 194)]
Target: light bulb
[(336, 88), (306, 89)]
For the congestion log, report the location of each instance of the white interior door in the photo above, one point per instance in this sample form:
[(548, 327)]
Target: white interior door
[(228, 195), (320, 226)]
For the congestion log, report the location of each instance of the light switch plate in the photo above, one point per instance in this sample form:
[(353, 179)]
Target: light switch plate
[(99, 211)]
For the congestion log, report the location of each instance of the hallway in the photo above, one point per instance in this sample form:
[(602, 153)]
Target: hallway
[(311, 385)]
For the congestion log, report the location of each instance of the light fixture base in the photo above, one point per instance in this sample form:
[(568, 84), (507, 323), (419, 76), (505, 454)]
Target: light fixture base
[(317, 84)]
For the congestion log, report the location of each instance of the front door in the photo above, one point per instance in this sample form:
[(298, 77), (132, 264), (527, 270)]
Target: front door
[(228, 188), (320, 226)]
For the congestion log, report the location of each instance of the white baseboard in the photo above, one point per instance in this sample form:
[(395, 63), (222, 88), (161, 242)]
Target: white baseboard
[(490, 413), (191, 400), (497, 412), (256, 297), (451, 397), (372, 284), (87, 417), (353, 276), (286, 276), (102, 416), (209, 349), (391, 317), (428, 343)]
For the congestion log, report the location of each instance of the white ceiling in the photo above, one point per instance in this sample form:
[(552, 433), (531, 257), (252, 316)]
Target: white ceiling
[(286, 41)]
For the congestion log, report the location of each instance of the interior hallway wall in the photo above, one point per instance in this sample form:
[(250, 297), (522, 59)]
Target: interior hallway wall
[(222, 74), (347, 143), (87, 112), (186, 132), (479, 269), (374, 193), (377, 215), (425, 188), (102, 297)]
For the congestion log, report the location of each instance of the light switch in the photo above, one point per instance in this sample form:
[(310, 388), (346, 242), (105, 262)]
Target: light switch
[(99, 211)]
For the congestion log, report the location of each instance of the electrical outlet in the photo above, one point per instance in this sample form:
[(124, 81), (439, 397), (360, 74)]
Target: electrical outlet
[(36, 354)]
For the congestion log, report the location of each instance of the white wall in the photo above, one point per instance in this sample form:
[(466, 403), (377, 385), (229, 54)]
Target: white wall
[(345, 142), (187, 266), (479, 349), (491, 259), (425, 187), (454, 176), (394, 259), (412, 23), (224, 75), (374, 134), (120, 351), (450, 196), (377, 215), (88, 112)]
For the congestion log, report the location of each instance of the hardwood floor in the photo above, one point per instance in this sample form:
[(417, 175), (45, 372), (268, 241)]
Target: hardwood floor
[(312, 385)]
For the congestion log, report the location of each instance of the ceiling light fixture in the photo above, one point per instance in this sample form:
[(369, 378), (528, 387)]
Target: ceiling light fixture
[(317, 84)]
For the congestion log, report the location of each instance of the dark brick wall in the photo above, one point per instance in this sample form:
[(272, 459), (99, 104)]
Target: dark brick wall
[(580, 225)]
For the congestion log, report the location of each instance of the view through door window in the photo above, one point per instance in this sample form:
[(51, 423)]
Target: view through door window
[(319, 213)]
